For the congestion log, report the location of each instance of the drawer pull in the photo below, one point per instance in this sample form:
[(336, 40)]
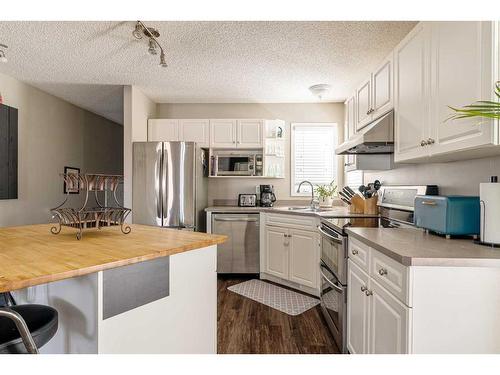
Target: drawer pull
[(429, 203), (364, 288), (368, 293), (354, 252), (382, 272)]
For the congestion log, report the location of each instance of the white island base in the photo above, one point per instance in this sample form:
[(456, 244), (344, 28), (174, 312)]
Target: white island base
[(182, 321)]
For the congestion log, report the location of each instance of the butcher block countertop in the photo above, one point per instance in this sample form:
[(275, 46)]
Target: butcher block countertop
[(414, 247), (30, 255)]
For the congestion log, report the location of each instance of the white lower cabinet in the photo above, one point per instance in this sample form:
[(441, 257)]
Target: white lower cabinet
[(389, 322), (357, 310), (292, 256), (277, 251), (377, 322), (303, 264)]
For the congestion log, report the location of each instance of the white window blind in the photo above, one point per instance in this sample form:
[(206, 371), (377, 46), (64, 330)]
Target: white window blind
[(313, 155)]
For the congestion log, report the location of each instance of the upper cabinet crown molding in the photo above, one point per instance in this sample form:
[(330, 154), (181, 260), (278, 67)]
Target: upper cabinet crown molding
[(433, 71)]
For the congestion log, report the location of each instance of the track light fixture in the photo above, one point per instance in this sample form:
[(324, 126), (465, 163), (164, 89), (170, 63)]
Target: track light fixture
[(3, 58), (141, 30)]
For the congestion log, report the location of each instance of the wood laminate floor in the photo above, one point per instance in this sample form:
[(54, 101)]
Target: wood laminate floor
[(245, 326)]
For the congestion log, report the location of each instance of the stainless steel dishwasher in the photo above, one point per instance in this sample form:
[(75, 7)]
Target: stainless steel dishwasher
[(240, 253)]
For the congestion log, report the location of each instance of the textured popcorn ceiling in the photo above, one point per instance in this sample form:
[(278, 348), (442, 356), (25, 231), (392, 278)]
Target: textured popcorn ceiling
[(86, 63)]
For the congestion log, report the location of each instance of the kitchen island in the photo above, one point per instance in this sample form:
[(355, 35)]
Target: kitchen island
[(151, 291)]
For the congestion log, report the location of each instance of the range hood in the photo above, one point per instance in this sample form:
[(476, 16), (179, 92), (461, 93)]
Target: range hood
[(375, 138)]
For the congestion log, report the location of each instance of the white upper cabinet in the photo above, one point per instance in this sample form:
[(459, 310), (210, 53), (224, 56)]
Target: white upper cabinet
[(223, 133), (438, 65), (228, 133), (462, 72), (350, 117), (363, 104), (382, 82), (412, 86), (163, 130), (250, 133), (349, 129), (195, 131), (374, 97)]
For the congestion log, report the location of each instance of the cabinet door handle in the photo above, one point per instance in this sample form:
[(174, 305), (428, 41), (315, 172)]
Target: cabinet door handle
[(354, 252), (423, 143), (430, 141), (364, 288), (382, 272), (368, 293)]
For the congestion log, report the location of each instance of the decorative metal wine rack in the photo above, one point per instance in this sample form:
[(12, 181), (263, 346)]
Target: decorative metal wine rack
[(102, 215)]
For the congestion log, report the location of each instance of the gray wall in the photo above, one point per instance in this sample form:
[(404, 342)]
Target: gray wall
[(289, 112), (453, 178), (52, 134)]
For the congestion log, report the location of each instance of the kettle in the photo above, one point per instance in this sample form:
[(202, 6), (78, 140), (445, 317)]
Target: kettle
[(267, 197)]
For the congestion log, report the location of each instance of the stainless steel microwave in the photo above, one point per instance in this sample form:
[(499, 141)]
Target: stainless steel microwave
[(236, 163)]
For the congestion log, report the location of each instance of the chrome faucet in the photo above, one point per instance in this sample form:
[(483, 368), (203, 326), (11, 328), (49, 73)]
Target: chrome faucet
[(314, 205)]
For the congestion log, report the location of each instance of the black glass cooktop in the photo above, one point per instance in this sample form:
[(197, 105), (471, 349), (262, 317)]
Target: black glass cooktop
[(339, 223)]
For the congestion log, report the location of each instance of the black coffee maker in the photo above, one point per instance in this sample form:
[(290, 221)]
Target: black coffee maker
[(267, 197)]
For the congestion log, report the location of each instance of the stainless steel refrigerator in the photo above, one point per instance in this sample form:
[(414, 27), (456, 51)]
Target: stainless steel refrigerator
[(169, 185)]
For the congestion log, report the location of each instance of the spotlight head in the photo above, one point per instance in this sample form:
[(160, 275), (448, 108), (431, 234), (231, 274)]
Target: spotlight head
[(137, 33), (163, 63), (152, 47)]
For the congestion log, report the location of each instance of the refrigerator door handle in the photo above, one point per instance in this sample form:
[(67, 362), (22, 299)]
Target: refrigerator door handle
[(159, 187), (163, 183)]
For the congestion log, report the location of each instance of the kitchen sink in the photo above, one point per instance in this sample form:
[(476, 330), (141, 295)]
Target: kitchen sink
[(305, 209)]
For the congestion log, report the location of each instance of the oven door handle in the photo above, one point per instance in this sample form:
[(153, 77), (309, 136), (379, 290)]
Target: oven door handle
[(337, 288), (327, 235)]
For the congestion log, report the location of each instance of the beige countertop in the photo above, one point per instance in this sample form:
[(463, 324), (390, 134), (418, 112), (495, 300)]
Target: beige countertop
[(414, 247), (30, 255), (335, 211)]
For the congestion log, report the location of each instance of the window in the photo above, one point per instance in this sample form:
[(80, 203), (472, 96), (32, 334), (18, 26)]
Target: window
[(313, 155)]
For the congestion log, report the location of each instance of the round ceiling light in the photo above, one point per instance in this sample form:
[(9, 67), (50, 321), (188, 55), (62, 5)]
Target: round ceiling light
[(320, 90)]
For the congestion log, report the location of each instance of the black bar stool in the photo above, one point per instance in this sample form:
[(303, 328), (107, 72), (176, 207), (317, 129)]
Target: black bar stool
[(25, 328)]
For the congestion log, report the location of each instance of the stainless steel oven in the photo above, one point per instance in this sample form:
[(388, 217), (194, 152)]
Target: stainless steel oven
[(333, 269), (334, 251), (334, 306)]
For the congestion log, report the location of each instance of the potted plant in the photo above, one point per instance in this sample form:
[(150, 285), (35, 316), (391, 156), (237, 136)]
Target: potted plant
[(482, 108), (325, 194)]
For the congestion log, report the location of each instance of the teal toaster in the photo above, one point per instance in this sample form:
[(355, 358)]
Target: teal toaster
[(449, 215)]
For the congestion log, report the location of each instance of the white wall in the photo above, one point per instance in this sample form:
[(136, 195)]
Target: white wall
[(289, 112), (137, 108), (52, 134)]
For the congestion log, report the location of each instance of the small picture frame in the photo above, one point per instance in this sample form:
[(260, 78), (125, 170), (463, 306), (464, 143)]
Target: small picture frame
[(71, 185)]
